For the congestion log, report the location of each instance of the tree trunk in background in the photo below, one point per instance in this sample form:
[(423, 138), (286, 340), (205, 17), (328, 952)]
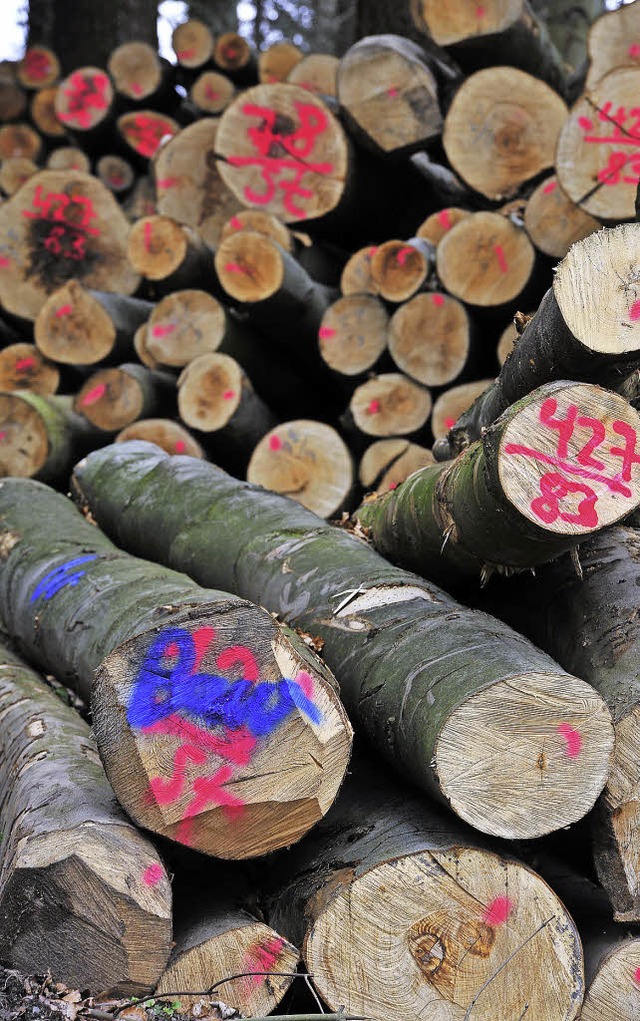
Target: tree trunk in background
[(84, 32), (568, 23)]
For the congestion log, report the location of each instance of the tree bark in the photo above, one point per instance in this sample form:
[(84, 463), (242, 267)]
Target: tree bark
[(391, 637), (196, 763)]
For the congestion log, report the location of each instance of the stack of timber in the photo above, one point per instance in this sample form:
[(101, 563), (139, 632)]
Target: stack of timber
[(291, 279)]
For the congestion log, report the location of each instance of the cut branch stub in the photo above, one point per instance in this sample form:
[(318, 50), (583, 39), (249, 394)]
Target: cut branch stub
[(85, 99), (144, 130), (501, 130), (307, 461), (281, 149), (189, 187), (430, 338), (598, 157), (58, 226), (485, 260), (554, 222), (388, 91), (613, 42)]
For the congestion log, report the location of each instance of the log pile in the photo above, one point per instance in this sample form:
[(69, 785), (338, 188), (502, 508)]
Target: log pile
[(243, 295)]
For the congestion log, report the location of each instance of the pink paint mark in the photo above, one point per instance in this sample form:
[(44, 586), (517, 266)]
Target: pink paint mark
[(163, 331), (272, 78), (4, 262), (167, 791), (168, 182), (172, 650), (549, 187), (498, 911), (444, 219), (180, 447), (325, 332), (634, 311), (202, 639), (634, 50), (500, 256), (186, 54), (636, 976), (572, 738), (228, 395), (449, 423), (3, 436), (393, 92), (394, 485), (438, 300), (210, 92), (153, 875), (262, 958), (236, 223), (136, 88), (305, 681), (374, 408), (403, 254), (237, 746), (480, 12), (64, 310), (234, 267), (373, 250), (585, 123), (24, 364), (239, 654), (94, 395), (148, 231), (275, 443), (209, 791)]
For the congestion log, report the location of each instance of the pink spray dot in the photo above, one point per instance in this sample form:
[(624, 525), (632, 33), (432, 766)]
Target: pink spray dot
[(167, 182), (64, 310), (480, 12), (210, 92), (500, 256), (585, 123), (438, 300), (163, 330), (572, 738), (180, 447), (4, 262), (393, 92), (325, 332), (444, 219), (374, 408), (24, 364), (228, 395), (153, 875), (234, 267), (94, 395), (449, 422), (275, 443), (634, 311), (372, 251), (403, 254), (498, 911), (236, 223), (636, 976), (3, 436), (148, 231), (394, 485), (136, 88), (634, 50), (549, 187)]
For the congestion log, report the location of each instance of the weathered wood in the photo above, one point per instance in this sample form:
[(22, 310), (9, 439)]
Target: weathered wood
[(613, 43), (20, 140), (419, 673), (597, 160), (501, 130), (194, 762), (41, 437), (115, 397), (438, 224), (82, 893), (387, 463), (307, 461), (485, 260), (357, 277), (402, 885), (192, 42), (390, 404), (554, 222), (15, 171), (182, 326), (22, 367), (61, 226), (353, 334), (530, 468), (138, 73), (430, 339), (166, 434)]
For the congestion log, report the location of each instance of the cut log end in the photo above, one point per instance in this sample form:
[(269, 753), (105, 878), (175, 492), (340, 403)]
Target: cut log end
[(165, 433), (183, 326), (357, 277), (135, 70), (192, 42), (353, 333), (145, 130), (387, 463), (398, 270), (231, 52), (429, 338), (438, 224), (73, 328), (485, 260), (452, 403), (259, 222), (84, 99), (277, 61), (110, 399), (24, 443), (210, 391), (215, 781), (576, 451), (250, 266), (523, 780), (157, 246), (307, 461), (614, 994), (465, 927), (212, 92), (318, 73), (244, 949), (554, 222), (390, 405), (449, 24), (39, 68), (22, 367)]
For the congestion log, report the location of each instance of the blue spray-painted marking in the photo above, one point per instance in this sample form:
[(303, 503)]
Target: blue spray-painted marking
[(61, 577), (168, 684)]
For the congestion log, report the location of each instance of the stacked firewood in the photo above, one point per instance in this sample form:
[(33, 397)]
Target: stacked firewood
[(298, 277)]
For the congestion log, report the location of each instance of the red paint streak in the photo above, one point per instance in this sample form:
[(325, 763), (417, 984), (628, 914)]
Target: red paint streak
[(634, 50), (236, 223), (326, 331), (3, 436), (613, 484), (236, 745), (36, 64), (572, 738), (242, 655), (163, 331), (374, 408), (166, 792), (153, 875), (136, 88), (449, 423), (148, 231), (498, 911), (172, 650), (275, 443), (549, 187), (117, 179), (24, 364), (64, 310), (180, 447), (373, 250), (262, 958), (94, 395), (186, 54), (306, 683), (394, 92), (438, 300), (480, 12), (500, 256), (144, 133), (202, 639), (636, 976), (210, 92), (234, 267), (4, 262), (634, 311), (394, 485), (585, 123), (228, 395), (209, 791), (444, 219), (403, 254), (168, 182)]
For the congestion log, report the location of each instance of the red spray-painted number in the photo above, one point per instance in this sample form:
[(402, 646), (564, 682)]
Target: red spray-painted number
[(84, 92), (622, 130)]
